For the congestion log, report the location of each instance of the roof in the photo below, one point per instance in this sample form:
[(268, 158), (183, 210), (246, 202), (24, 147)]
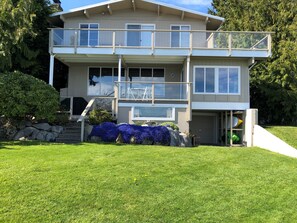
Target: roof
[(215, 21)]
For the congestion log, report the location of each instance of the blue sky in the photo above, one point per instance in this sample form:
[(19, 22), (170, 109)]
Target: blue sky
[(199, 5)]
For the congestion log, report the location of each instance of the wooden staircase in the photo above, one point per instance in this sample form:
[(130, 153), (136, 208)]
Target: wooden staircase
[(71, 133)]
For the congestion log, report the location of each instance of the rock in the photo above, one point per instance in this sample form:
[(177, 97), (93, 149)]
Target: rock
[(42, 126), (50, 137), (41, 135), (147, 142), (28, 131), (34, 134), (20, 134), (95, 139), (11, 132), (57, 128), (174, 137), (185, 140), (55, 134), (133, 140), (22, 139), (119, 139)]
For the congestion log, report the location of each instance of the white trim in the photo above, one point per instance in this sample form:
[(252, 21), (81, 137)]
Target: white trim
[(221, 105), (89, 29), (149, 1), (216, 90), (128, 105), (180, 25), (139, 24), (153, 118)]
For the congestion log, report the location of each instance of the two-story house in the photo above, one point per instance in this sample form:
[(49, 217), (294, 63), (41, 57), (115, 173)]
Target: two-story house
[(158, 62)]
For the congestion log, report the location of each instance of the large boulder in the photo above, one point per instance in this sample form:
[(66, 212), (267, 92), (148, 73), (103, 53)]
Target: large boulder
[(43, 126), (174, 137), (20, 134), (57, 128), (50, 137), (29, 130), (185, 141), (41, 135)]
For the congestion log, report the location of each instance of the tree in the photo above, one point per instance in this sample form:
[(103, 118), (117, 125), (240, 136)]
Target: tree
[(23, 96), (273, 82), (24, 36)]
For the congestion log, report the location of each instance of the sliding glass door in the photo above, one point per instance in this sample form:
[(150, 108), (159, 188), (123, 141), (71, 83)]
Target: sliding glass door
[(139, 38)]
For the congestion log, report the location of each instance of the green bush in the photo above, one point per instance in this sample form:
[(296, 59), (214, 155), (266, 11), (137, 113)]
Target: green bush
[(171, 125), (98, 116), (23, 96)]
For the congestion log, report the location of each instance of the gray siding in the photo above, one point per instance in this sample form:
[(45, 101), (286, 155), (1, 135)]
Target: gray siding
[(244, 79)]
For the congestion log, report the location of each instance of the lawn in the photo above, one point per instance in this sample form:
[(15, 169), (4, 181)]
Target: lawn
[(129, 183), (286, 133)]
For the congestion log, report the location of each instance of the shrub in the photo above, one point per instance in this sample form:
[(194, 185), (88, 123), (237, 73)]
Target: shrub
[(98, 116), (107, 131), (22, 96), (171, 125)]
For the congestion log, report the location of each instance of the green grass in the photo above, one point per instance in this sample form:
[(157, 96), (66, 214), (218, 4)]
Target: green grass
[(286, 133), (126, 183)]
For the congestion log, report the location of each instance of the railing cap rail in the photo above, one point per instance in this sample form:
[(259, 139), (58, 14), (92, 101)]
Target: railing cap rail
[(146, 82), (167, 30)]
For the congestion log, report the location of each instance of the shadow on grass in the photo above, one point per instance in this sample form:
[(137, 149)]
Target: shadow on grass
[(8, 144)]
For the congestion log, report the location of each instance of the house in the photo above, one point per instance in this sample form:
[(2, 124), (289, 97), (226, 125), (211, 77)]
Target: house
[(158, 62)]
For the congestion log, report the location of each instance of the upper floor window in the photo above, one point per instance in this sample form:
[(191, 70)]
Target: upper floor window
[(180, 38), (216, 80), (140, 38), (89, 37)]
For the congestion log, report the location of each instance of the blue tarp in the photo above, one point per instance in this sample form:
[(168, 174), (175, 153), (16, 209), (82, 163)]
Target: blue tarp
[(108, 132)]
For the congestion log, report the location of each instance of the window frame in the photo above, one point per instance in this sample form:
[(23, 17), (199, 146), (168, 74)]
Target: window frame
[(89, 29), (133, 118), (180, 25), (139, 24), (216, 83)]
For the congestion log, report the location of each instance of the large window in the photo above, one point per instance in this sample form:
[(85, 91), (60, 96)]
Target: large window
[(180, 38), (101, 80), (153, 113), (149, 75), (140, 38), (216, 80), (89, 37)]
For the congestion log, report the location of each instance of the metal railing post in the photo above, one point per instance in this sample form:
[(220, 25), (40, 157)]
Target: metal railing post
[(82, 130), (113, 41), (75, 41), (269, 44), (230, 43), (153, 93), (153, 41)]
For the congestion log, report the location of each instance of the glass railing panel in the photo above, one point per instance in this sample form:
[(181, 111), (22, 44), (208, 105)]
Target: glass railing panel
[(171, 91), (249, 40)]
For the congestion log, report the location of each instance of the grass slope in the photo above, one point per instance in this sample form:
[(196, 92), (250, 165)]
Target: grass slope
[(126, 183), (286, 133)]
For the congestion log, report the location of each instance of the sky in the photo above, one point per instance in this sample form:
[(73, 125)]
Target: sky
[(198, 5)]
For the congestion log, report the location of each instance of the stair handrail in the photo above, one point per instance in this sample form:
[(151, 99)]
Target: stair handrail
[(83, 117)]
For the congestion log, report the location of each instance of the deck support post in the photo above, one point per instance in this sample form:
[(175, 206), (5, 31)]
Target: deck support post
[(188, 73), (120, 69), (51, 70)]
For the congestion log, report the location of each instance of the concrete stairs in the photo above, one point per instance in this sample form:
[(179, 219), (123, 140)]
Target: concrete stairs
[(71, 133)]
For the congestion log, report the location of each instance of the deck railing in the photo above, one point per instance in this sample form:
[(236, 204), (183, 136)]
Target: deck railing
[(159, 39)]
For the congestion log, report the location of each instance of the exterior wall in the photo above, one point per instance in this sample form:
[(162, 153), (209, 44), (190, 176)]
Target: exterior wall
[(78, 76), (125, 116), (244, 80), (119, 20)]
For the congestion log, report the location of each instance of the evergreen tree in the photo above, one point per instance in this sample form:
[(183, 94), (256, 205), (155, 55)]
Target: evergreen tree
[(273, 82)]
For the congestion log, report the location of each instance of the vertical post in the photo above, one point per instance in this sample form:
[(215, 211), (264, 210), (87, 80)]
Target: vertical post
[(82, 130), (71, 107), (269, 45), (75, 41), (226, 128), (153, 93), (113, 41), (120, 69), (116, 99), (153, 41), (51, 70), (51, 41), (231, 127), (222, 125), (188, 74), (191, 42), (189, 107), (230, 43)]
